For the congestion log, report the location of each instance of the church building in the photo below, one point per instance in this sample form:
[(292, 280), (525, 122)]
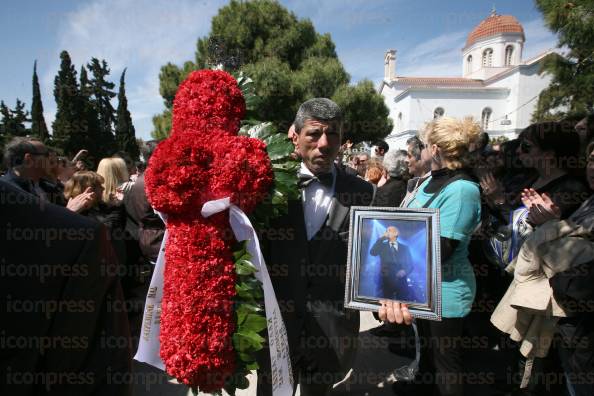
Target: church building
[(498, 88)]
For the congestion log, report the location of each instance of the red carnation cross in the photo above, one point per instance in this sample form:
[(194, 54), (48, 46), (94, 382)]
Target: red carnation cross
[(203, 160)]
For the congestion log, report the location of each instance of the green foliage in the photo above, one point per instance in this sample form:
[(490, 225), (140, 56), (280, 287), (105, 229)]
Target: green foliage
[(250, 319), (102, 91), (288, 61), (162, 124), (12, 122), (125, 133), (69, 127), (366, 115), (38, 125), (572, 87)]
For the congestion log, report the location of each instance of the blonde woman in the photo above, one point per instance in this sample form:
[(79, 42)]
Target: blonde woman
[(457, 196), (115, 173)]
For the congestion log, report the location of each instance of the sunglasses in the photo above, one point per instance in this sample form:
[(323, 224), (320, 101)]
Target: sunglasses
[(44, 154), (525, 147)]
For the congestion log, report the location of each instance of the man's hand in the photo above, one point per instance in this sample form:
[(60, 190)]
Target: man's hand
[(401, 274), (394, 312), (82, 201)]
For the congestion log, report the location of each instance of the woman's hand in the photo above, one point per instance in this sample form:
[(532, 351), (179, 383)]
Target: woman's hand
[(541, 207), (394, 312), (492, 188), (82, 201)]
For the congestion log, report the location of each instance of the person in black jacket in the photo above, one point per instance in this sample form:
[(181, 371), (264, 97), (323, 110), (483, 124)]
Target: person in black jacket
[(27, 161), (60, 333), (394, 190)]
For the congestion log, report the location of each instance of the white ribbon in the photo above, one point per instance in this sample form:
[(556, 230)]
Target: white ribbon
[(280, 363), (148, 347)]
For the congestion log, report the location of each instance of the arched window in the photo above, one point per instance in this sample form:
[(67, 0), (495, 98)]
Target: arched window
[(469, 64), (509, 53), (485, 118), (438, 112), (488, 57)]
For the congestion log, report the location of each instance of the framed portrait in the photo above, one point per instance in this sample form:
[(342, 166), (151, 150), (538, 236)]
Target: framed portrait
[(394, 254)]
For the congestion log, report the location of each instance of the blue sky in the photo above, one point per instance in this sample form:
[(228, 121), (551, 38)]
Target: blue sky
[(142, 35)]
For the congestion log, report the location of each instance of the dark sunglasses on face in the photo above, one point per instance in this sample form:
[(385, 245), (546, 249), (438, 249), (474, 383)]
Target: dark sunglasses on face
[(525, 147), (43, 154)]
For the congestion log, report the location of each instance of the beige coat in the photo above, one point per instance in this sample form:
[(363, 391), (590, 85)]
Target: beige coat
[(528, 311)]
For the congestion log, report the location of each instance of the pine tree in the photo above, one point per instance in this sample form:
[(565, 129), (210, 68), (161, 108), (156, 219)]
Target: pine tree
[(20, 116), (69, 128), (89, 114), (6, 122), (102, 91), (125, 133), (571, 90), (13, 121), (38, 126)]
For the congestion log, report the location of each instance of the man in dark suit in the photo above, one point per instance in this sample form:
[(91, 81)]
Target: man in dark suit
[(396, 263), (64, 329), (307, 254)]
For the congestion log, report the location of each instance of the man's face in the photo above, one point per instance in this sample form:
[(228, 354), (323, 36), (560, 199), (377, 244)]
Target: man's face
[(362, 166), (37, 162), (317, 144), (392, 233), (412, 161)]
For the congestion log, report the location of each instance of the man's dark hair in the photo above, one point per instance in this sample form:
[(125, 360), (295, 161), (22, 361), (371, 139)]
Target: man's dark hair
[(125, 156), (383, 145), (15, 150), (148, 148), (320, 109), (416, 146)]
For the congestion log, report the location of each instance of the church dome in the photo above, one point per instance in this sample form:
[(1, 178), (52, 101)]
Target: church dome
[(493, 25)]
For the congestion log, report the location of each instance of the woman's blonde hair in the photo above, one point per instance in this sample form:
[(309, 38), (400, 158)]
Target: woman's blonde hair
[(114, 173), (453, 137), (80, 181)]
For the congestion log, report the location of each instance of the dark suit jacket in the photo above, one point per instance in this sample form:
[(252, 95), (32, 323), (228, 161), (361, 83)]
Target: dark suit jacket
[(142, 222), (61, 305), (401, 260), (309, 280)]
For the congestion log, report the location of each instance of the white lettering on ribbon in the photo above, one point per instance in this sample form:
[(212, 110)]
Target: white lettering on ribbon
[(148, 347)]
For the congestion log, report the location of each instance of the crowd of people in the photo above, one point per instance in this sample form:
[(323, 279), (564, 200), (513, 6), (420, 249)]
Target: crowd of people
[(516, 225)]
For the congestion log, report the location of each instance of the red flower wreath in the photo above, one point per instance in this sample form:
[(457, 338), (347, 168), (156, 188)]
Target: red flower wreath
[(203, 160)]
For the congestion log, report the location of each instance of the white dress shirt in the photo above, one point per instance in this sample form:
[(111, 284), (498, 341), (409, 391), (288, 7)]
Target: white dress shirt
[(317, 200)]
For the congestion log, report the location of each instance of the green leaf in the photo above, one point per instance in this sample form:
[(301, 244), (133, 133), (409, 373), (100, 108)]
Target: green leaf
[(254, 323), (245, 267), (252, 366), (278, 146)]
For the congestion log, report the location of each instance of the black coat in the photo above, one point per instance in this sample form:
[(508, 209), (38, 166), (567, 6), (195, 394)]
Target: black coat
[(59, 289), (391, 193), (309, 281)]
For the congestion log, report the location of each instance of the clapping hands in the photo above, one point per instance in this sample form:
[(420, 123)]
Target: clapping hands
[(541, 207), (82, 201)]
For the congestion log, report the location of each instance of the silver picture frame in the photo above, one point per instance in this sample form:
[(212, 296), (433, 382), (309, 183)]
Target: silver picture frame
[(372, 269)]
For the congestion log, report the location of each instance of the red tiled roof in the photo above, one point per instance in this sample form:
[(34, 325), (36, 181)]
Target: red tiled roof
[(438, 82), (493, 25)]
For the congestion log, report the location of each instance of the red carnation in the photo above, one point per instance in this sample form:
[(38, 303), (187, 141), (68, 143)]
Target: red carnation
[(203, 160)]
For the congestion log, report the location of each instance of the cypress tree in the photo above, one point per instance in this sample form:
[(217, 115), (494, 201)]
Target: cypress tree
[(20, 116), (92, 141), (125, 133), (102, 91), (38, 126), (69, 129)]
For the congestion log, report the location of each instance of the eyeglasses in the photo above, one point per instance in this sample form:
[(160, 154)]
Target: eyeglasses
[(44, 154), (525, 147)]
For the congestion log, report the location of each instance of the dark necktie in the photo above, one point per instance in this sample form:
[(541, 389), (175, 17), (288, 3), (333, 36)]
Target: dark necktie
[(305, 180)]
